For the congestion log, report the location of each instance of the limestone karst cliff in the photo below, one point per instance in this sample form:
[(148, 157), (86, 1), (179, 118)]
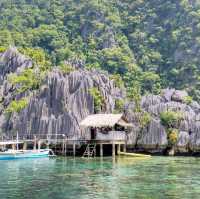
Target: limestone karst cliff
[(60, 103), (63, 100), (154, 136)]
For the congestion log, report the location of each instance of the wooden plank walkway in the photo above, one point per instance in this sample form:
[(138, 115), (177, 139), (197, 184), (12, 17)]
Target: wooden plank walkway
[(61, 143)]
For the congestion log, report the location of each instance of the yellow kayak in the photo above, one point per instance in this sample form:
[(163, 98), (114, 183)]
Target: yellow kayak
[(134, 154)]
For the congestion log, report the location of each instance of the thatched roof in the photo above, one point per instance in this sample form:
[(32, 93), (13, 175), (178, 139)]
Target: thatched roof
[(104, 120)]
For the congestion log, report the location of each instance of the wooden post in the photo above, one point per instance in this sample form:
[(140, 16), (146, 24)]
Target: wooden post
[(63, 147), (124, 148), (118, 149), (48, 142), (13, 147), (101, 150), (25, 146), (74, 149), (113, 150), (35, 143), (39, 144)]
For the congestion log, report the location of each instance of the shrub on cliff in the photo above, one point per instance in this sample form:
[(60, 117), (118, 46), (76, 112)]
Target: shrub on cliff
[(29, 79), (117, 80), (17, 105), (98, 99), (119, 105), (66, 68), (145, 119), (38, 57), (172, 136), (188, 100), (171, 119), (2, 49)]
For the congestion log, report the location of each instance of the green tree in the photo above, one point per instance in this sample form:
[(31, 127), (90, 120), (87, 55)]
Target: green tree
[(17, 105), (98, 99)]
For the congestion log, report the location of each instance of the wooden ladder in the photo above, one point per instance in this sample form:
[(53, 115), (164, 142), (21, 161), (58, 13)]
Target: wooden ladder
[(90, 151)]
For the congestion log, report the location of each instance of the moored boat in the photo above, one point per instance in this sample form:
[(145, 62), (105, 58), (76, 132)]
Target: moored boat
[(17, 154)]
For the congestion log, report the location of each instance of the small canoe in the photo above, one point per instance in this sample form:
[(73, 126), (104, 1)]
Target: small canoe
[(17, 154), (134, 154)]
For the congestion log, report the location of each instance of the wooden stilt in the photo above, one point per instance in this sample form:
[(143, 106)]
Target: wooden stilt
[(74, 149), (101, 150), (124, 148), (113, 150), (25, 146), (118, 148), (63, 147), (39, 144), (35, 143), (13, 147)]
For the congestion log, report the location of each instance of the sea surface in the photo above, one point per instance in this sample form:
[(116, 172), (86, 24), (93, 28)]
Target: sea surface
[(78, 178)]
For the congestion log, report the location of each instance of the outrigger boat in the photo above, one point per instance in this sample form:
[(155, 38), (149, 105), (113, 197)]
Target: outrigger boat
[(16, 154), (8, 154)]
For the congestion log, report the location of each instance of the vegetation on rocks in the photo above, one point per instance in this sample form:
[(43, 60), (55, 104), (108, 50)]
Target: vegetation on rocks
[(29, 79), (119, 105), (172, 136), (17, 105), (144, 119), (154, 44), (98, 99), (171, 119), (66, 68), (188, 100), (144, 46)]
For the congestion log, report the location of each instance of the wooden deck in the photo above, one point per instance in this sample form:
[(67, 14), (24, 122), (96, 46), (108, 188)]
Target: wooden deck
[(61, 143)]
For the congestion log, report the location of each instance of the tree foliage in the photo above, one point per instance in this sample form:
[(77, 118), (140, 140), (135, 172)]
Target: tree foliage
[(98, 99), (154, 43), (66, 68), (171, 119), (28, 79), (17, 105), (172, 136)]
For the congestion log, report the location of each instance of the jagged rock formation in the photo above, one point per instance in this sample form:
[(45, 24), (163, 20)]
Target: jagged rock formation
[(64, 100), (154, 136), (61, 102)]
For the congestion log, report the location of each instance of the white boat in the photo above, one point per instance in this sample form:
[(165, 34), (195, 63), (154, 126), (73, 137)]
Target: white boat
[(9, 154), (17, 154)]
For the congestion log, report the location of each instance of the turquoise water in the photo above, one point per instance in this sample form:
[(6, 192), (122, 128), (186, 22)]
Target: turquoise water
[(67, 178)]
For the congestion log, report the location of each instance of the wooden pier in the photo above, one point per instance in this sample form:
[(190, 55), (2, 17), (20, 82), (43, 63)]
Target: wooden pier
[(64, 145), (104, 129)]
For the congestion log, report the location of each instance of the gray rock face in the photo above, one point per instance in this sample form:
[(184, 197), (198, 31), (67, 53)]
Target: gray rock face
[(59, 105), (183, 139), (64, 100), (167, 94), (154, 136), (14, 62), (179, 96)]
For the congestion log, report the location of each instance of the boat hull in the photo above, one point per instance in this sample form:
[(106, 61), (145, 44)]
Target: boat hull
[(24, 154)]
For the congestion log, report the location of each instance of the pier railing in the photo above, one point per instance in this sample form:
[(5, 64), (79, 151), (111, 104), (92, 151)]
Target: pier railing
[(59, 138), (111, 135)]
